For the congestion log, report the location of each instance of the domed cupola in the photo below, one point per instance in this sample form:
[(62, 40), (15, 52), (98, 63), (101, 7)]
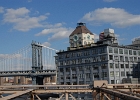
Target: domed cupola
[(81, 36)]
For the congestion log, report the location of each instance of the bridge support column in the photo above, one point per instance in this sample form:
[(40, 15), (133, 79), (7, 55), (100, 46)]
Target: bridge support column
[(23, 80), (47, 79), (66, 96), (53, 79), (37, 63), (16, 80), (1, 81)]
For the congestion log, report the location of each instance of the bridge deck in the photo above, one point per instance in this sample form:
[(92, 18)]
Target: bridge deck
[(61, 91)]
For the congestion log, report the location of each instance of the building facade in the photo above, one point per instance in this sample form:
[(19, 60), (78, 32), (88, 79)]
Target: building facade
[(104, 60)]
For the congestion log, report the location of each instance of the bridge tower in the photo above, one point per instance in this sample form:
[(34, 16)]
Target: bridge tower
[(37, 63)]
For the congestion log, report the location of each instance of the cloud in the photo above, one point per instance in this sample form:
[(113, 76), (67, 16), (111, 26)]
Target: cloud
[(1, 9), (21, 20), (119, 38), (115, 16), (135, 38), (109, 0), (46, 44), (56, 31), (29, 0)]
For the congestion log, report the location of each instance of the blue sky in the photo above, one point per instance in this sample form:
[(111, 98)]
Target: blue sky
[(51, 21)]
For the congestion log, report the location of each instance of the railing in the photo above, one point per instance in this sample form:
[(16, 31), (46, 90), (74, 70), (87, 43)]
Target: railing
[(27, 73)]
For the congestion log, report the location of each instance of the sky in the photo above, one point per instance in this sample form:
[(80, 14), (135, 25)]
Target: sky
[(50, 22)]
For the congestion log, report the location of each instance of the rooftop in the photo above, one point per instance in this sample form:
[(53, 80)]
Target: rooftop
[(81, 28)]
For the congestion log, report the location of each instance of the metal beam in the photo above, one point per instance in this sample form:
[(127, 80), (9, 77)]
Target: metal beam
[(72, 97), (61, 96), (66, 96), (119, 94), (17, 94)]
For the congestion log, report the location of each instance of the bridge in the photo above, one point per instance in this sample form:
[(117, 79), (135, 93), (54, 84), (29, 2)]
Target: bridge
[(36, 61), (100, 90)]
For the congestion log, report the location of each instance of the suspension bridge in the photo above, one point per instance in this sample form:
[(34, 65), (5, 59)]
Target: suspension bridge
[(36, 61)]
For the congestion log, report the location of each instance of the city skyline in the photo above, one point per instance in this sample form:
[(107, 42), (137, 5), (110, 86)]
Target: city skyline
[(50, 22)]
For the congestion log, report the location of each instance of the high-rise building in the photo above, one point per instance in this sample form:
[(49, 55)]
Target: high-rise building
[(86, 61)]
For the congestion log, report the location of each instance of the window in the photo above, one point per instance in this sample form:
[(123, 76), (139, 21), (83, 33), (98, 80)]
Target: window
[(62, 77), (68, 83), (62, 83), (111, 65), (67, 55), (81, 75), (87, 82), (125, 51), (117, 81), (122, 73), (126, 66), (126, 58), (102, 50), (127, 73), (94, 51), (79, 54), (81, 82), (103, 57), (139, 53), (73, 69), (67, 69), (74, 76), (116, 50), (87, 75), (104, 74), (67, 77), (116, 58), (110, 57), (117, 74), (138, 58), (122, 65), (96, 75), (130, 52), (116, 66), (61, 69), (131, 65), (104, 66), (112, 73), (80, 69), (88, 68), (120, 51), (110, 50), (131, 58), (135, 58), (121, 58), (134, 53), (112, 81)]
